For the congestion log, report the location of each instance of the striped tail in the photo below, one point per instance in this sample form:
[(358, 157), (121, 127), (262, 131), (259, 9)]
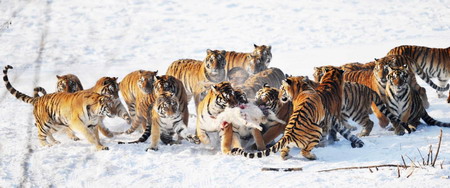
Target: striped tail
[(346, 133), (383, 109), (279, 145), (14, 92), (427, 79), (37, 90), (143, 138), (430, 121)]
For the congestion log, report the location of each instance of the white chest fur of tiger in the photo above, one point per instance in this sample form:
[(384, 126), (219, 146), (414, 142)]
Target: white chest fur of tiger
[(435, 62), (80, 111), (192, 73)]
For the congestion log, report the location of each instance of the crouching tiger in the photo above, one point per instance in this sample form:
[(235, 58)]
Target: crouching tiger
[(81, 111)]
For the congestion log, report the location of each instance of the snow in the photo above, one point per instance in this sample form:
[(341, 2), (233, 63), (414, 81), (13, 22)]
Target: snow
[(42, 39)]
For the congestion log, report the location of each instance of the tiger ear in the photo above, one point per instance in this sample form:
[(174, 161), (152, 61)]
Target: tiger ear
[(214, 88), (141, 71), (208, 51), (287, 75), (376, 59), (287, 81), (256, 46), (305, 78), (269, 48), (157, 77), (58, 76), (156, 72), (223, 52), (316, 68), (105, 82), (266, 85), (115, 78)]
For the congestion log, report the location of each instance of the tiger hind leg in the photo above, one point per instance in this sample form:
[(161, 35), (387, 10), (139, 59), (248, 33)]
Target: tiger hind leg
[(69, 132), (367, 125), (285, 153), (105, 131), (306, 152), (42, 135), (89, 133)]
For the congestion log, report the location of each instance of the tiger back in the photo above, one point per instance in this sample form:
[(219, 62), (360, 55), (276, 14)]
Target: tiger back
[(192, 73), (80, 111), (434, 62), (272, 76)]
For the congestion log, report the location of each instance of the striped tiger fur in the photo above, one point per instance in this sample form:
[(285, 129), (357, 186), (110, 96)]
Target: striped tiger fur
[(136, 89), (237, 76), (253, 63), (434, 62), (267, 97), (272, 76), (193, 72), (404, 102), (66, 83), (219, 97), (357, 66), (311, 107), (81, 111)]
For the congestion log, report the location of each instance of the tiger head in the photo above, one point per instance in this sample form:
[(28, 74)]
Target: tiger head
[(264, 52), (381, 69), (319, 72), (398, 77), (97, 104), (107, 86), (291, 87), (215, 65), (167, 105), (255, 64), (165, 83), (68, 83), (240, 96), (268, 97), (224, 95), (146, 81), (237, 75)]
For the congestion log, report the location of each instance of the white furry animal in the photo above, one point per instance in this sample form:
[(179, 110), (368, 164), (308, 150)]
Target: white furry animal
[(246, 116)]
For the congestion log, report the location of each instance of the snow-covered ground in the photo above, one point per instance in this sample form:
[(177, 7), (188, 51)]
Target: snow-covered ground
[(92, 39)]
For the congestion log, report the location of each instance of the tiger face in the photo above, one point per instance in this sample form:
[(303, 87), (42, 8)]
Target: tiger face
[(100, 105), (264, 52), (240, 96), (267, 97), (167, 105), (146, 80), (109, 86), (165, 83), (224, 95), (381, 69), (68, 83), (256, 64), (320, 71), (292, 87), (398, 77), (215, 65)]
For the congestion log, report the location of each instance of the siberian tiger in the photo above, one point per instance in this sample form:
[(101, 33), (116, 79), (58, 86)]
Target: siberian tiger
[(81, 111), (193, 73), (253, 63), (265, 52), (272, 76), (435, 62), (357, 66), (219, 97), (404, 102), (66, 83), (237, 76), (137, 92), (311, 107)]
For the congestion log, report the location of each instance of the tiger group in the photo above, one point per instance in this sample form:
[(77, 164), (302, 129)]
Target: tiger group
[(240, 99)]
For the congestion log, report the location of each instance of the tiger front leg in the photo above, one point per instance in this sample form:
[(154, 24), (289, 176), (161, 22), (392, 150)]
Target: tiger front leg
[(71, 134), (226, 139), (201, 134), (105, 131), (183, 133), (259, 141), (155, 136), (135, 124), (88, 132), (306, 152), (383, 120)]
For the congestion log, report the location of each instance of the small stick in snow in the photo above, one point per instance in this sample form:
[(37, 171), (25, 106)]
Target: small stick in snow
[(411, 172), (423, 159), (428, 157), (361, 167), (414, 164), (404, 163), (282, 169), (437, 151), (398, 171), (442, 163), (376, 168), (370, 170)]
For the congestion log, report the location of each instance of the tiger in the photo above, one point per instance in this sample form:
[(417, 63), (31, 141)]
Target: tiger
[(219, 96), (272, 76), (434, 62), (237, 76), (136, 89), (253, 63), (357, 66), (267, 97), (81, 111), (404, 102), (357, 102), (66, 83), (192, 73), (374, 78), (311, 107)]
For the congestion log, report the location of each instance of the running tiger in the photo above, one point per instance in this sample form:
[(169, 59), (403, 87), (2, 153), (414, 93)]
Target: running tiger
[(81, 111), (310, 108), (434, 62), (404, 102), (193, 73), (137, 92)]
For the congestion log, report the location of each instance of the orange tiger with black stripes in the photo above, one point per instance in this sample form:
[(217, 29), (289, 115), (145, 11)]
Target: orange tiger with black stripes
[(434, 62), (253, 63), (311, 107), (81, 111), (194, 74), (169, 114)]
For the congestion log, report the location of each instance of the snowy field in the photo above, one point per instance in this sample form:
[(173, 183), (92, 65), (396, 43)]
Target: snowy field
[(91, 39)]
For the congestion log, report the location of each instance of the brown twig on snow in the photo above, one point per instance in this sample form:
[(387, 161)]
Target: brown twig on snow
[(442, 163), (428, 157), (411, 172), (414, 164), (403, 159), (437, 151), (398, 171), (423, 159), (362, 167), (282, 169)]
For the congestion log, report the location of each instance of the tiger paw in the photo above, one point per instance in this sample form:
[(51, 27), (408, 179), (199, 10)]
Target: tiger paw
[(152, 149), (357, 144), (102, 148), (75, 138), (193, 139), (413, 128)]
